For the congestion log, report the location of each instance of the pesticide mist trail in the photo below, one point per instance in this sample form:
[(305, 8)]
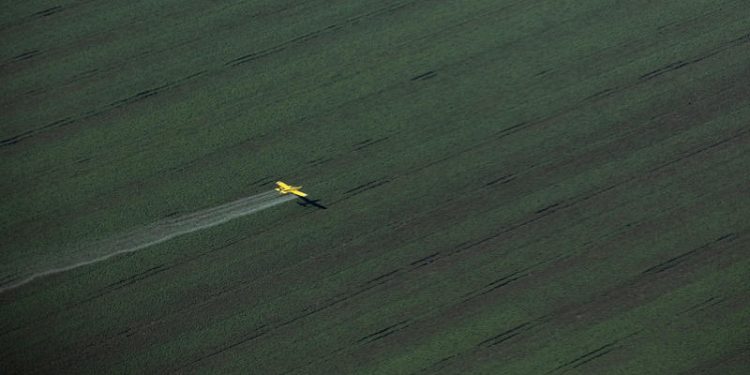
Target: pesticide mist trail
[(155, 233)]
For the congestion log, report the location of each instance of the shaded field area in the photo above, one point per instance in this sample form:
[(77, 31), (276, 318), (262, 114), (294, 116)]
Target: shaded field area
[(513, 187)]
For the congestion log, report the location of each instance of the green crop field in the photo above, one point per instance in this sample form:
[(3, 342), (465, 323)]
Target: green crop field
[(512, 187)]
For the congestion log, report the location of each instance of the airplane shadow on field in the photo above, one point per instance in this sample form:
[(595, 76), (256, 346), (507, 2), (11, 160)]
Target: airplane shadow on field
[(304, 202)]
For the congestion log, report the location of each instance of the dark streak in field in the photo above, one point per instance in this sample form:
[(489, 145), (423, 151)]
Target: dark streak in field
[(594, 354), (424, 76), (387, 331), (723, 47), (305, 313), (319, 161), (424, 261), (139, 96), (508, 279), (382, 278), (258, 332), (499, 283), (105, 292), (17, 138), (508, 131), (445, 359), (96, 112), (49, 11), (681, 64), (26, 55), (713, 301), (541, 214), (547, 208), (587, 196), (84, 74), (504, 336), (124, 282), (137, 277), (590, 356), (493, 341), (34, 92), (432, 163), (364, 187), (5, 279), (666, 69), (438, 365), (676, 26), (644, 78), (602, 93), (368, 143), (661, 267), (502, 180), (735, 136), (592, 98), (156, 90), (313, 35)]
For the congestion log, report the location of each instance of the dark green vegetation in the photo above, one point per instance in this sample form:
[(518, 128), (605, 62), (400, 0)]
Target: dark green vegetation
[(514, 187)]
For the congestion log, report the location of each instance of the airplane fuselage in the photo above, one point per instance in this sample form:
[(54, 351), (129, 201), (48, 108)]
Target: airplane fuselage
[(284, 189)]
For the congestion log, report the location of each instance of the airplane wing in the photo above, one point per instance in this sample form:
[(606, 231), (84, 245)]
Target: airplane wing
[(282, 185), (298, 193)]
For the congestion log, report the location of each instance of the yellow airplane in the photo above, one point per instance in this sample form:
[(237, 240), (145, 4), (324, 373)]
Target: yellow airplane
[(284, 189)]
